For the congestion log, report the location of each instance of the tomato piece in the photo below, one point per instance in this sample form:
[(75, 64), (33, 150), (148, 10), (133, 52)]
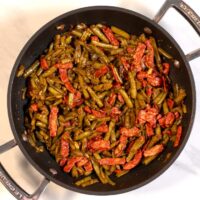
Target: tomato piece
[(149, 58), (63, 162), (154, 80), (111, 37), (120, 98), (111, 99), (166, 68), (34, 107), (134, 162), (121, 146), (130, 50), (100, 72), (65, 80), (170, 103), (87, 109), (100, 145), (137, 57), (125, 63), (154, 150), (103, 128), (67, 65), (53, 121), (149, 91), (94, 38), (149, 130), (43, 63), (71, 162), (169, 119), (130, 132), (64, 148), (82, 162), (98, 114), (112, 161), (88, 167), (178, 135)]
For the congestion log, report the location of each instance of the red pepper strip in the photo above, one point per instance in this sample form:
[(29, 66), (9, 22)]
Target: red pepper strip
[(44, 64), (53, 121), (149, 91), (116, 75), (82, 162), (177, 115), (137, 57), (130, 50), (153, 150), (149, 130), (130, 132), (115, 111), (164, 83), (111, 37), (166, 68), (121, 146), (170, 103), (87, 109), (71, 162), (112, 161), (88, 167), (129, 146), (65, 80), (178, 136), (133, 163), (64, 148), (34, 107), (103, 128), (100, 145), (169, 119), (120, 98), (149, 58), (112, 98), (98, 114), (147, 115), (94, 38), (125, 63), (67, 65), (102, 71), (63, 162), (154, 80)]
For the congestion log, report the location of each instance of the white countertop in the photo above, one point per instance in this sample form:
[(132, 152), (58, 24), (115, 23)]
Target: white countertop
[(18, 21)]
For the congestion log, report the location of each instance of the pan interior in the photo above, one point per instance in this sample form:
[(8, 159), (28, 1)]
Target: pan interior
[(133, 23)]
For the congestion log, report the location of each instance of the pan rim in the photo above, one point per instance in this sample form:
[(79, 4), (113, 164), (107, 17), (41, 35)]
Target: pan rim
[(9, 101)]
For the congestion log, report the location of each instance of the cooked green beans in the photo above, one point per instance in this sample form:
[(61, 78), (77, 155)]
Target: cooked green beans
[(100, 104)]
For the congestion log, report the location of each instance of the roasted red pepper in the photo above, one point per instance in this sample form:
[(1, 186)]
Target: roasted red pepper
[(109, 34), (53, 121)]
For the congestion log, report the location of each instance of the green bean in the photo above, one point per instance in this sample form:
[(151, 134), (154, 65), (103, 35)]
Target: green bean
[(123, 172), (95, 97), (165, 107), (31, 69), (147, 160), (83, 180), (160, 98), (103, 87), (82, 84), (90, 182), (181, 96), (126, 98), (136, 146), (104, 45), (133, 89), (76, 33), (164, 53), (110, 129), (42, 118), (49, 72), (120, 32), (116, 51), (98, 33), (20, 71), (83, 135)]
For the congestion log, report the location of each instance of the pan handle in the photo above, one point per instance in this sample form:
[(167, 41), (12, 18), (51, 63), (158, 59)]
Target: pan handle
[(11, 185), (189, 14)]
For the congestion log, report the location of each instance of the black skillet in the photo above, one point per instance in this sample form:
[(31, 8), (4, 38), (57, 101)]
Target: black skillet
[(132, 22)]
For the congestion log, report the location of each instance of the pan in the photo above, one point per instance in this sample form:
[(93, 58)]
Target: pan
[(131, 22)]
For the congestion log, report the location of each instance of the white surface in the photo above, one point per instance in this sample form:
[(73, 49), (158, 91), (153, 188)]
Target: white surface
[(18, 21)]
